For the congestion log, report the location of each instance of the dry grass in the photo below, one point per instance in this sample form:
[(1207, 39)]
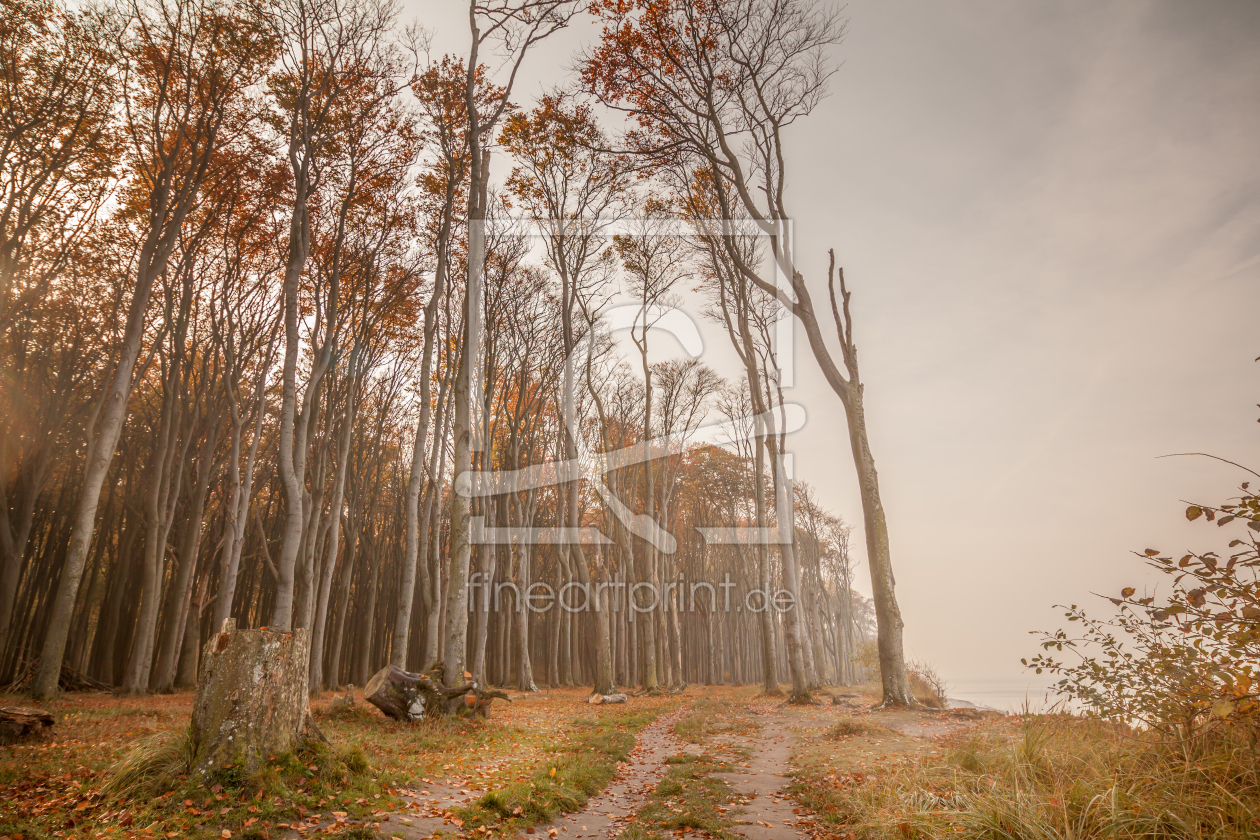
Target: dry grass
[(1049, 777), (851, 727), (929, 687), (154, 766)]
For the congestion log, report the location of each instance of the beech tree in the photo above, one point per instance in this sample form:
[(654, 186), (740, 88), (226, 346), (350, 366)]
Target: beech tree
[(514, 27), (185, 68), (58, 139), (256, 251), (712, 88)]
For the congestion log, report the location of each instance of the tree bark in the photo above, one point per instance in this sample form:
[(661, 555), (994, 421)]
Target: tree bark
[(20, 724), (252, 699), (405, 696)]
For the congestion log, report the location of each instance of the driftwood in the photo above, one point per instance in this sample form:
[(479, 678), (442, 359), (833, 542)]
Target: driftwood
[(403, 695), (252, 697), (18, 724)]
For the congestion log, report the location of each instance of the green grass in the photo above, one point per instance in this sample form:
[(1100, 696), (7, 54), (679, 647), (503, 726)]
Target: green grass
[(708, 717), (151, 786), (581, 768), (688, 797)]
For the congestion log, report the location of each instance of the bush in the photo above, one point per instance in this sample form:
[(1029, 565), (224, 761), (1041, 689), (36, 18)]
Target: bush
[(1182, 663), (928, 686)]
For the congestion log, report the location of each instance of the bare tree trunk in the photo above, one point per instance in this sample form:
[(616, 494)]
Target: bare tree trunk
[(454, 656), (793, 621), (343, 605), (239, 497), (190, 647), (181, 590), (412, 534), (334, 534), (525, 667), (892, 662), (159, 509)]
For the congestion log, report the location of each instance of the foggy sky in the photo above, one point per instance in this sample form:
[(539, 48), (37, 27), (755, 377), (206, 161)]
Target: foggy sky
[(1049, 216)]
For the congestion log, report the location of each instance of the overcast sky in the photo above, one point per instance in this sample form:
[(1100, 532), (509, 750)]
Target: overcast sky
[(1049, 216)]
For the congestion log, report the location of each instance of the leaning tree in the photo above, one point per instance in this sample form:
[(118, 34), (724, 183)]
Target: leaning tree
[(712, 87)]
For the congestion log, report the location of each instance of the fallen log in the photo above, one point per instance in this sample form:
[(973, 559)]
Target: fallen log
[(405, 696), (68, 680), (601, 699), (18, 724)]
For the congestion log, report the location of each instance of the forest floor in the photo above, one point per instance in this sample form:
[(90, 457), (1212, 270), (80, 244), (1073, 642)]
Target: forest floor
[(715, 762)]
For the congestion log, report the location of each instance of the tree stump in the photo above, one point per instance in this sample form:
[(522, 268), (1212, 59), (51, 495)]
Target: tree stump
[(252, 697), (18, 724)]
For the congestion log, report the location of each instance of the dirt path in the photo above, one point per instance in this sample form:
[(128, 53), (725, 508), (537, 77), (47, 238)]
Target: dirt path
[(772, 747), (606, 815), (768, 814)]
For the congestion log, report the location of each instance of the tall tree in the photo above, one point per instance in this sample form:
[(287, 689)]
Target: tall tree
[(187, 66), (713, 86), (513, 27), (336, 65), (573, 191)]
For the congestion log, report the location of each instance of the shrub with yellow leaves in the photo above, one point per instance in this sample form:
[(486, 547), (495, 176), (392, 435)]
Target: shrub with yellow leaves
[(1183, 662)]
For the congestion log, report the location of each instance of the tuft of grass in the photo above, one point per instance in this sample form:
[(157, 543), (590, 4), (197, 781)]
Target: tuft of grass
[(156, 765), (851, 727)]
